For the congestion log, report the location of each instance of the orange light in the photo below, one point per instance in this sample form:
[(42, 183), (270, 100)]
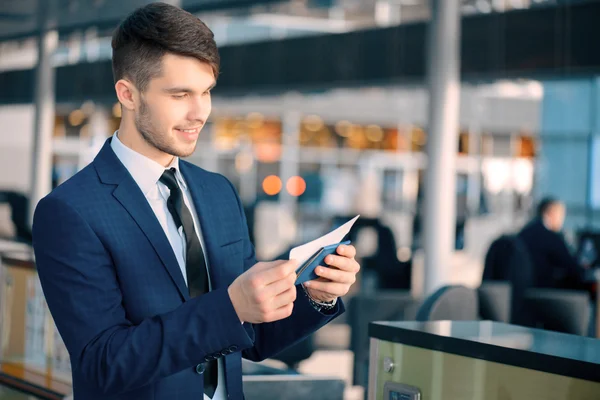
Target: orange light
[(342, 128), (313, 123), (296, 186), (76, 117), (268, 152), (272, 185), (255, 120)]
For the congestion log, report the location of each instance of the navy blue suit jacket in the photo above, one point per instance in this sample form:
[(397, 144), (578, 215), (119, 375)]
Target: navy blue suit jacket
[(118, 297)]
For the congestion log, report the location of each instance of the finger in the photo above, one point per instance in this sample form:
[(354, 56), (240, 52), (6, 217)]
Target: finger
[(285, 298), (336, 275), (266, 265), (329, 288), (276, 273), (343, 263), (276, 288), (348, 251), (280, 313)]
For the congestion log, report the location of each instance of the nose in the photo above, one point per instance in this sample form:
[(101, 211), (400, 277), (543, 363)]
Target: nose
[(199, 109)]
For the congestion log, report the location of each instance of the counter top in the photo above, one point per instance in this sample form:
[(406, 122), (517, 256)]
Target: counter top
[(552, 352), (39, 382), (22, 259)]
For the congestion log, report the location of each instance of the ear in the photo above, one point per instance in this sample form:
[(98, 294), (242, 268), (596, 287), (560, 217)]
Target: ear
[(126, 93)]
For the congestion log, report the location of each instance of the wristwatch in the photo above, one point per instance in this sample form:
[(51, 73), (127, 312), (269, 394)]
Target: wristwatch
[(319, 305)]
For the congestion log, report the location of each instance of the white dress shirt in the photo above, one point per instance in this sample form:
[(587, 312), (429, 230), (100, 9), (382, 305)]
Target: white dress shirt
[(146, 174)]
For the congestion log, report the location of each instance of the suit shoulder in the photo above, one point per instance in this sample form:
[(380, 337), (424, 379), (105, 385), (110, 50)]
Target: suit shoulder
[(73, 189), (531, 226)]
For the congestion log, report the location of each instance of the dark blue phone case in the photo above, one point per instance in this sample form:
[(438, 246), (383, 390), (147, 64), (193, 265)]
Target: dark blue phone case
[(307, 271)]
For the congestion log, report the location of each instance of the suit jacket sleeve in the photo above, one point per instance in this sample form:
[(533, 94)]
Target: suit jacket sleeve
[(273, 337), (106, 349)]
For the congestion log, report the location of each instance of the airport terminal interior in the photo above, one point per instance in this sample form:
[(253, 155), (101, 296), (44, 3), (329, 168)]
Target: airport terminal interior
[(465, 134)]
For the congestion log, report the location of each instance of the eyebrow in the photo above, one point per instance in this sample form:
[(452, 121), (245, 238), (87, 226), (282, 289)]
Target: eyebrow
[(186, 89)]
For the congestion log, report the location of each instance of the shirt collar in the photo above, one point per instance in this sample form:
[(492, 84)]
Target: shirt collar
[(144, 171)]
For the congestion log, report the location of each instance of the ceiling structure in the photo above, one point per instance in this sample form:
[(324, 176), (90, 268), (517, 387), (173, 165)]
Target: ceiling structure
[(21, 18)]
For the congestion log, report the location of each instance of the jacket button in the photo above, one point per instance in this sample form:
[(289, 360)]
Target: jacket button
[(232, 349), (225, 353), (200, 369)]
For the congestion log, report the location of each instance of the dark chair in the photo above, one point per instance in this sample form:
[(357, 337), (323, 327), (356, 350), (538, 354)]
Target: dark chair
[(388, 305), (454, 303), (560, 310), (495, 301), (498, 259), (508, 260)]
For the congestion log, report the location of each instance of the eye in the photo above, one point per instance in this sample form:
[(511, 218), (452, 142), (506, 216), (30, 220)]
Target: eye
[(206, 93), (180, 96)]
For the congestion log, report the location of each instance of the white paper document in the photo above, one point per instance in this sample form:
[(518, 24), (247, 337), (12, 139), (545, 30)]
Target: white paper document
[(304, 252)]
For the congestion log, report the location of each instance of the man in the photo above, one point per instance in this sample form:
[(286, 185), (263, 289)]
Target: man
[(145, 259), (553, 264)]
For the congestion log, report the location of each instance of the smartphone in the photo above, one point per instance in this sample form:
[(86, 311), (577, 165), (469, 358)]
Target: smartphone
[(306, 272)]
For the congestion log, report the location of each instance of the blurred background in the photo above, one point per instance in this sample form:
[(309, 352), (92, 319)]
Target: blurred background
[(442, 123)]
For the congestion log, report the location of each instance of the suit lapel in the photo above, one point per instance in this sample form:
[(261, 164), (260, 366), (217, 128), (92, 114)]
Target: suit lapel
[(111, 171), (131, 197)]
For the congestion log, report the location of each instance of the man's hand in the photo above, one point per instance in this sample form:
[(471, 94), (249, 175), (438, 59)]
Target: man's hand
[(335, 280), (265, 293)]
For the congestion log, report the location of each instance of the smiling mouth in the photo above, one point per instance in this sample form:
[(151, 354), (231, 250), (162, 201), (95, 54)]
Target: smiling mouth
[(193, 130)]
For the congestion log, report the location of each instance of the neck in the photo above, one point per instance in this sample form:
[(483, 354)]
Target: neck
[(132, 138)]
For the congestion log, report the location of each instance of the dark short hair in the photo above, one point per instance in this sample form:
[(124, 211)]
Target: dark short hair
[(545, 204), (150, 32)]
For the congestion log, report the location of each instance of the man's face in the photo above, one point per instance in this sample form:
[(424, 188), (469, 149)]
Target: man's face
[(175, 105), (556, 217)]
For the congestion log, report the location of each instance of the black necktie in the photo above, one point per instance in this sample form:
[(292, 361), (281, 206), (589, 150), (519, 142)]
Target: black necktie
[(195, 263)]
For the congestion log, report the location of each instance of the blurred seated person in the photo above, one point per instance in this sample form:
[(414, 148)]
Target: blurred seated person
[(553, 264)]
